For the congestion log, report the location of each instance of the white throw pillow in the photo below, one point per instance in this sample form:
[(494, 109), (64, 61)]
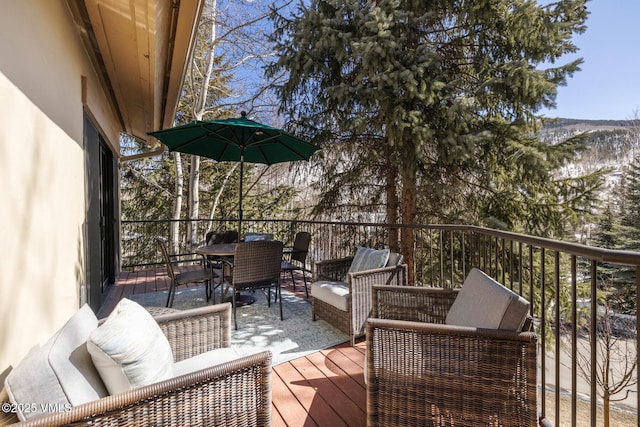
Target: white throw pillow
[(484, 303), (129, 349), (368, 259)]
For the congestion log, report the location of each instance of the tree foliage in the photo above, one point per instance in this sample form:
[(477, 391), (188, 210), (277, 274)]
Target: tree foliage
[(444, 92), (619, 228), (223, 79)]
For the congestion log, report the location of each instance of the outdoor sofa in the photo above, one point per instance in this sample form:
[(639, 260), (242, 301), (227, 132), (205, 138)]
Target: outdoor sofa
[(208, 385)]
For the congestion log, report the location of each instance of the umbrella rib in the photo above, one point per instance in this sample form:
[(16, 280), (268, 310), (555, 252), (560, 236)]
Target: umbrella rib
[(296, 152), (287, 145), (177, 147)]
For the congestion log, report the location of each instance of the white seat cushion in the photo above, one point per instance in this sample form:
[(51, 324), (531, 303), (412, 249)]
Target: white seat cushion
[(129, 349), (58, 374), (484, 303), (334, 293), (205, 360)]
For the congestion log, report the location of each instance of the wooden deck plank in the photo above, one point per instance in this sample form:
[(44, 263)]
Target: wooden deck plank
[(329, 391), (286, 404), (276, 419), (336, 359), (352, 387), (306, 393)]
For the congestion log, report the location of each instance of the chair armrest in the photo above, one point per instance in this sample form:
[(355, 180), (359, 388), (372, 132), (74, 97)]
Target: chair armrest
[(420, 304), (195, 331), (331, 269), (236, 392), (466, 373), (360, 285), (395, 275)]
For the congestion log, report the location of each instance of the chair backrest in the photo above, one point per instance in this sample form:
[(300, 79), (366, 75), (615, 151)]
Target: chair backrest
[(301, 246), (230, 236), (165, 256), (257, 263), (252, 237), (217, 237), (213, 237)]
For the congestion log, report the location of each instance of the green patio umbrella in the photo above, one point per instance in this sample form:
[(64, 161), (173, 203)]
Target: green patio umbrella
[(236, 140)]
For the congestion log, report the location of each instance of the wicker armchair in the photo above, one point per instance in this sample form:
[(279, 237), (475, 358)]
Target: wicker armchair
[(234, 393), (423, 372), (358, 306)]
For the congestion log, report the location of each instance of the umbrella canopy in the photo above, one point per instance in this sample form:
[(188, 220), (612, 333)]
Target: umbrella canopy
[(237, 140)]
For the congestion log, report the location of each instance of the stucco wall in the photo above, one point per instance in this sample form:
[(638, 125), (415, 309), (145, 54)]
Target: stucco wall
[(42, 170)]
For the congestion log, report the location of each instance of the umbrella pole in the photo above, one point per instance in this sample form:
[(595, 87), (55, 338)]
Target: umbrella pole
[(240, 203)]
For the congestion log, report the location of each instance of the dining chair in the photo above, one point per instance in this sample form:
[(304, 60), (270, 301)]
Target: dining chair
[(298, 258), (256, 266), (217, 237), (201, 275)]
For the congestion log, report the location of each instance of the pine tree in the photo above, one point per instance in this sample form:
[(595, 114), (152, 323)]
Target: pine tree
[(622, 296), (631, 202), (451, 88)]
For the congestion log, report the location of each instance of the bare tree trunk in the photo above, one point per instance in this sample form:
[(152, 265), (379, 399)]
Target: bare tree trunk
[(198, 111), (216, 200), (409, 215), (393, 203), (194, 201), (606, 410), (174, 231)]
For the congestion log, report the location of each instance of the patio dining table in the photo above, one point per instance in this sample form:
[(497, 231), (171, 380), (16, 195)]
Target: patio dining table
[(218, 250), (224, 252)]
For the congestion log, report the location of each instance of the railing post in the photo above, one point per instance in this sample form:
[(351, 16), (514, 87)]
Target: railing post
[(594, 339)]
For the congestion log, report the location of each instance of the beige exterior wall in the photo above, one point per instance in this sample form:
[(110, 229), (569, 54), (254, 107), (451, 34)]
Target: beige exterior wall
[(42, 170)]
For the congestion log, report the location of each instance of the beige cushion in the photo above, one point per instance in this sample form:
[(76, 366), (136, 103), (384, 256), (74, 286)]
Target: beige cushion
[(334, 293), (129, 349), (368, 259), (395, 259), (59, 373), (485, 303)]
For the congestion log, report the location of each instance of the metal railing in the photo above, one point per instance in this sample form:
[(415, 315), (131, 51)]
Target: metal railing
[(562, 281)]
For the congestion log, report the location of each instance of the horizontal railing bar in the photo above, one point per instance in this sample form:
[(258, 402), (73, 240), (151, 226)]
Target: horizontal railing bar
[(612, 256)]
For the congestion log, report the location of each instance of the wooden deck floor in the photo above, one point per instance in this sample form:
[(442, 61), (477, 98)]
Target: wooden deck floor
[(323, 389)]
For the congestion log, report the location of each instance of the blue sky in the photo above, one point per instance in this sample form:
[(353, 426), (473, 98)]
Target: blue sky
[(608, 87)]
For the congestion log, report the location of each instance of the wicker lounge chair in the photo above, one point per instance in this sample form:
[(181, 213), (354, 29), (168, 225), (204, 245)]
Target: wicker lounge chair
[(233, 393), (421, 371), (343, 298)]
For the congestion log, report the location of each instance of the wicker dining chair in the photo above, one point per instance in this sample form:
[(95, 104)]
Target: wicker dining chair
[(298, 258), (421, 371), (256, 265), (216, 237), (200, 275)]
